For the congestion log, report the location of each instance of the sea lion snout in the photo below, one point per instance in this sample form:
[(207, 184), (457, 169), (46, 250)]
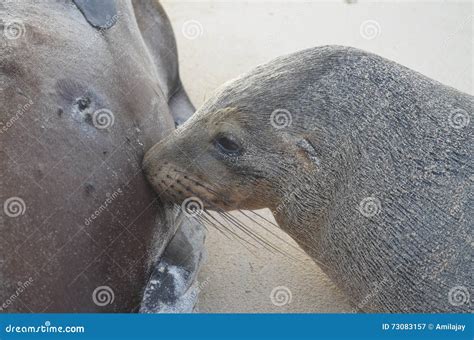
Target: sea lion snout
[(173, 181), (157, 169), (201, 160)]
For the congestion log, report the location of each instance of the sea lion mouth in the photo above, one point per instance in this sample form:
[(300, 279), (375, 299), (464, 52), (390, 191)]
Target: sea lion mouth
[(176, 186)]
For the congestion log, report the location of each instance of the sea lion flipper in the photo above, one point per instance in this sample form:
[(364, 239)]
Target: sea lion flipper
[(172, 285), (100, 14)]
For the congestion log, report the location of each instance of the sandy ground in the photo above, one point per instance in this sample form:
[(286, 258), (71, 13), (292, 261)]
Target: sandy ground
[(217, 41)]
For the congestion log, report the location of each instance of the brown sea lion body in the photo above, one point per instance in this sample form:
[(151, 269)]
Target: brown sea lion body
[(86, 88)]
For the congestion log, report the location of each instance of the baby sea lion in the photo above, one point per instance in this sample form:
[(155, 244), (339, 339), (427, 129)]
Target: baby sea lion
[(364, 162)]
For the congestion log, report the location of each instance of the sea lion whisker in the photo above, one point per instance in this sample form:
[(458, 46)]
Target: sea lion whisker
[(212, 191), (242, 228), (265, 243), (239, 238), (270, 231), (209, 222), (216, 223), (263, 218)]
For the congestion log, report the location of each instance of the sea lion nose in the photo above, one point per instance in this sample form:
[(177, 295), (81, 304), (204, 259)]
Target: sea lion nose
[(152, 164), (146, 168), (147, 164), (149, 157)]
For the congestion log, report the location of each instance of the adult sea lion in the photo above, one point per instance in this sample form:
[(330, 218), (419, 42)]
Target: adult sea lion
[(365, 163), (85, 88)]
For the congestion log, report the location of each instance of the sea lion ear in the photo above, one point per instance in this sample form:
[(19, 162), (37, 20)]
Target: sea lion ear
[(157, 33), (102, 14), (308, 151)]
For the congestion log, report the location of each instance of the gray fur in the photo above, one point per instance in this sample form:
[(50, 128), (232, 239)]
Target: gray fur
[(387, 212)]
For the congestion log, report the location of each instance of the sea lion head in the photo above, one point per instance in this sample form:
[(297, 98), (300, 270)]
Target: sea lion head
[(230, 157), (276, 136)]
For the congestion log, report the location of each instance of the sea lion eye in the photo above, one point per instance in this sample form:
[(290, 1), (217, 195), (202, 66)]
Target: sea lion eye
[(227, 145)]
